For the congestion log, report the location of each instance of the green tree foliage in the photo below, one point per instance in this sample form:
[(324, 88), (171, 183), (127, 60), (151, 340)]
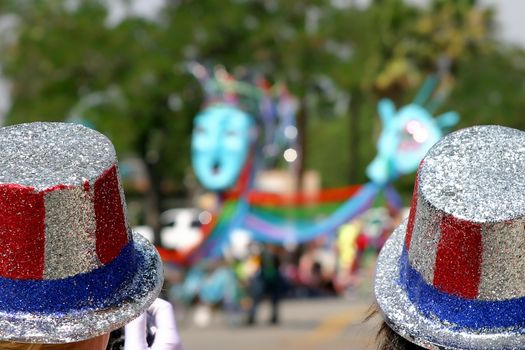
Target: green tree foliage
[(64, 56), (339, 59)]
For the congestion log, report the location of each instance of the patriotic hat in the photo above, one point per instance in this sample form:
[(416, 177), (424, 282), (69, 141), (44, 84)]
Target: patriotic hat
[(70, 268), (453, 275)]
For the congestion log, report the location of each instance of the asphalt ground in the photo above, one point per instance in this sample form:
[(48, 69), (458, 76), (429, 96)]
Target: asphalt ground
[(306, 324)]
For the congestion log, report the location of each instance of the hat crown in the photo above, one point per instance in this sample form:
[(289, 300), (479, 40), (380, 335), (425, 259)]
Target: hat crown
[(44, 155), (466, 229), (477, 174), (62, 209)]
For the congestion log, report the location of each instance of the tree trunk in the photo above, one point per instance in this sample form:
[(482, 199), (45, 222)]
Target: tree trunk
[(152, 201), (355, 136), (302, 126)]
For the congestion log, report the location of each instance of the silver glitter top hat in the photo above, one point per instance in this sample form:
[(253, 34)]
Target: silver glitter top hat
[(453, 275), (70, 268)]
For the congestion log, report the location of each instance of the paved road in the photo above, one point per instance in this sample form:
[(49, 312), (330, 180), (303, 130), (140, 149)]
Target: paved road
[(309, 324)]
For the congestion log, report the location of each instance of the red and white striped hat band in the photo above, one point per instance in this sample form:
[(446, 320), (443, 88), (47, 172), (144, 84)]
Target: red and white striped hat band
[(70, 267), (453, 275)]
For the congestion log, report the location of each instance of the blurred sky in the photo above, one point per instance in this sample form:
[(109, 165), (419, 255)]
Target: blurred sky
[(509, 18), (120, 9)]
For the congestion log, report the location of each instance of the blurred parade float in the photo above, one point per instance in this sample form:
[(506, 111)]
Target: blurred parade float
[(245, 153)]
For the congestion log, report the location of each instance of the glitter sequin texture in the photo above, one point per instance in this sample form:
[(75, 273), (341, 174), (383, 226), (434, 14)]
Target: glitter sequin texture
[(70, 269), (458, 281), (43, 155)]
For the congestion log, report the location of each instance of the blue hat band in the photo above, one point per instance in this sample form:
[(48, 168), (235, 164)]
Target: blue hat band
[(92, 290), (468, 313)]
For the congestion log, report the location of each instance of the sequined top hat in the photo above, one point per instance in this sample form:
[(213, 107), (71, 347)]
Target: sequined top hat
[(453, 275), (70, 268)]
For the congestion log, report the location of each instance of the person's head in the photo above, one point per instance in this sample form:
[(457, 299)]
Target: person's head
[(386, 338), (97, 343), (450, 276)]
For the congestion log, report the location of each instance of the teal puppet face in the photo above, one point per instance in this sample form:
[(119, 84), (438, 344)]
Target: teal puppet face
[(407, 136), (220, 145)]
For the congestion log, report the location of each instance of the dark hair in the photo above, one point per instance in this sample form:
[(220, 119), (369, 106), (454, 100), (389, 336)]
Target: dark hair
[(386, 338)]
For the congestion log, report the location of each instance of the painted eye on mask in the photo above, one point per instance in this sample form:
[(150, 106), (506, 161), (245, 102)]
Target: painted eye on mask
[(418, 131), (199, 129), (413, 136)]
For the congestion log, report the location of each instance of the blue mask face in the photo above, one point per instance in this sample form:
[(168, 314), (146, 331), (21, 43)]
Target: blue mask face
[(220, 145), (407, 136)]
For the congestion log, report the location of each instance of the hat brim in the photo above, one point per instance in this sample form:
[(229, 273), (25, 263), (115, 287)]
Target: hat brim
[(133, 299), (405, 319)]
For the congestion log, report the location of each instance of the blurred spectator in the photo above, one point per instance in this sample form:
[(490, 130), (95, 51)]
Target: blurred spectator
[(268, 281)]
